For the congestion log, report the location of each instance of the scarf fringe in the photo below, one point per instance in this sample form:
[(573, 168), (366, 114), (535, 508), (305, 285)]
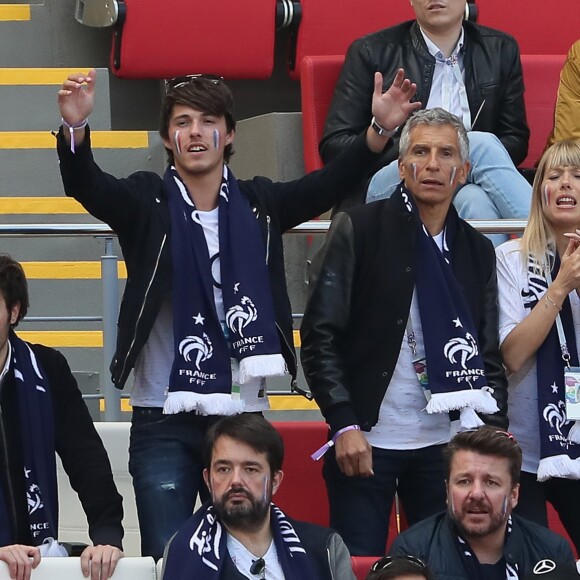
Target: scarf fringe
[(263, 365), (210, 404), (574, 433), (468, 419), (558, 466), (479, 400)]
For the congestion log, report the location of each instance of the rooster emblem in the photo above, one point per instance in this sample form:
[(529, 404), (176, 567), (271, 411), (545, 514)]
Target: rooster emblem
[(461, 350), (33, 498), (196, 346), (239, 316), (555, 416)]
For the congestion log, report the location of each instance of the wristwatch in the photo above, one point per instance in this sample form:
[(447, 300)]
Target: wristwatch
[(380, 130)]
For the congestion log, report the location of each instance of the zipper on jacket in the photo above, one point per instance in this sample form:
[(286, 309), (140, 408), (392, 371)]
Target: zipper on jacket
[(10, 491), (268, 239), (329, 562), (143, 306), (290, 350)]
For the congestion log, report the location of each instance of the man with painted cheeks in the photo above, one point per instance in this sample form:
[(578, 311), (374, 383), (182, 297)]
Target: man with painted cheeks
[(205, 318), (399, 338), (478, 536), (240, 533)]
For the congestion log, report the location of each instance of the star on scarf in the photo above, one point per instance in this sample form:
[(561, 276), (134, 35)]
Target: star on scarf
[(199, 319), (554, 388), (458, 323)]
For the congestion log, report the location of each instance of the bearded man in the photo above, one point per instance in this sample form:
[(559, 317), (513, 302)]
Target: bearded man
[(240, 533), (478, 536)]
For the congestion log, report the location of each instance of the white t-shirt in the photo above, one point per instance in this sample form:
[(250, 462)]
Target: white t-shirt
[(516, 298), (403, 422), (243, 560), (153, 365)]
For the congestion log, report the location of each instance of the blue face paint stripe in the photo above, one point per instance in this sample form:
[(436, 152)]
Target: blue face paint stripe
[(216, 139)]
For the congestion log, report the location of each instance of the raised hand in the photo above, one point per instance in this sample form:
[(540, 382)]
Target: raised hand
[(392, 108), (568, 278), (76, 98)]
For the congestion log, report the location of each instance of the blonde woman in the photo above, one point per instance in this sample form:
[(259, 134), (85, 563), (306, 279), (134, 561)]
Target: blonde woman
[(538, 282)]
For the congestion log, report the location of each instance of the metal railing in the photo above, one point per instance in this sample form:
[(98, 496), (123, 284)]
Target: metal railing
[(110, 283)]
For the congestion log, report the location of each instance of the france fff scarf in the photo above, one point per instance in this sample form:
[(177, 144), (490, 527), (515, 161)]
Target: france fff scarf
[(199, 549), (201, 377), (559, 438), (455, 372), (36, 419)]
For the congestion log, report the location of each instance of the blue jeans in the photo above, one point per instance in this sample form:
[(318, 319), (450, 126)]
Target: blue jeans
[(495, 189), (165, 460), (360, 508)]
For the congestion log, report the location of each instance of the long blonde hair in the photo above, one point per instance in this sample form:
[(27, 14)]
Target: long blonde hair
[(538, 239)]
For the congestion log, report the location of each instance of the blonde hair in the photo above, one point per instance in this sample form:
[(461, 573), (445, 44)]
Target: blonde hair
[(538, 239)]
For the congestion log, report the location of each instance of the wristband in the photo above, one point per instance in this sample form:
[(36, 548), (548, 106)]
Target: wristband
[(380, 130), (319, 453), (72, 129)]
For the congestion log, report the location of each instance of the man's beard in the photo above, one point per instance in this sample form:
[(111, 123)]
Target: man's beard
[(243, 516), (495, 521)]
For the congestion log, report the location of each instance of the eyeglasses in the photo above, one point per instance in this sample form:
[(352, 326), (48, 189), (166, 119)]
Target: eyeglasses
[(177, 82), (386, 561)]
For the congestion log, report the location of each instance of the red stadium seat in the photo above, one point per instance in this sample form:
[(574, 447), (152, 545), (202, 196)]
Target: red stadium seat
[(319, 76), (541, 79), (362, 564), (178, 37), (555, 525), (328, 27), (538, 27), (302, 494)]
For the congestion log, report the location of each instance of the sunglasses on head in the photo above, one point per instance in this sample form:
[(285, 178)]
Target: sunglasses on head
[(387, 561), (177, 82)]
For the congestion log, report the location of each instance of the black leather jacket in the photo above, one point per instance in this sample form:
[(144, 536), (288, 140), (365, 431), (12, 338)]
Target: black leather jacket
[(493, 80), (359, 300), (136, 209)]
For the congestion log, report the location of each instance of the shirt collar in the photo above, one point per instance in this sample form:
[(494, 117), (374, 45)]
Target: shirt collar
[(434, 50), (8, 360)]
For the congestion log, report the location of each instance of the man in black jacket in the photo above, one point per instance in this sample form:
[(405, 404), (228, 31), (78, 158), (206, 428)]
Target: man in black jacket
[(205, 317), (240, 533), (469, 70), (399, 338), (42, 411), (478, 536)]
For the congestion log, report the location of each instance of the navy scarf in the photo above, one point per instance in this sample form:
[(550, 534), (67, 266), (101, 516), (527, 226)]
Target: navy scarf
[(559, 448), (38, 447), (206, 365), (199, 549), (455, 372), (472, 565)]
